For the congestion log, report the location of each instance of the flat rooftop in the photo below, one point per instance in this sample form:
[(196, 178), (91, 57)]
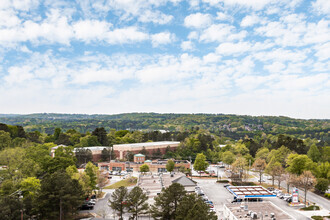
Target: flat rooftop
[(147, 144), (262, 209), (250, 192)]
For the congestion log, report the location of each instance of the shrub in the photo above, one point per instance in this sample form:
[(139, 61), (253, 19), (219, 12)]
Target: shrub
[(322, 184), (327, 195), (222, 181), (311, 208)]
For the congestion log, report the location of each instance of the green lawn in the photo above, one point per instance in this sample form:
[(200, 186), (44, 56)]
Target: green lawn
[(126, 182)]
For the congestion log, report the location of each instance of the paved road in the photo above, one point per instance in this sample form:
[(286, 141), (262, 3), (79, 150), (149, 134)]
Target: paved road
[(312, 197)]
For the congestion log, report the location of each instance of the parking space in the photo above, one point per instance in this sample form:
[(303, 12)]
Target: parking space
[(216, 192)]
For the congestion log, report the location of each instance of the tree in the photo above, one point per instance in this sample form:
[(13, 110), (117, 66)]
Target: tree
[(192, 207), (271, 169), (118, 200), (241, 149), (83, 155), (64, 157), (101, 135), (228, 157), (166, 203), (298, 163), (5, 139), (88, 141), (279, 171), (324, 170), (170, 165), (239, 166), (129, 156), (105, 154), (262, 153), (59, 196), (57, 133), (259, 165), (322, 184), (200, 163), (144, 168), (307, 181), (137, 202), (91, 170), (314, 153)]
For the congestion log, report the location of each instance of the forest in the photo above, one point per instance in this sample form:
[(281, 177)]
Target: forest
[(278, 146)]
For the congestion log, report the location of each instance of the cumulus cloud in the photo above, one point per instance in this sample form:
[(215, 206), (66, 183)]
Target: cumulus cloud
[(162, 38), (250, 20), (198, 20)]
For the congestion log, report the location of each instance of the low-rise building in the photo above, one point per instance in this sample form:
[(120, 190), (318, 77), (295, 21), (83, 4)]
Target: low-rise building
[(155, 166), (150, 147), (254, 210)]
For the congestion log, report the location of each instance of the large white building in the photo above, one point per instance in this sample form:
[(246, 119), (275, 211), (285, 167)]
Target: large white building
[(121, 149)]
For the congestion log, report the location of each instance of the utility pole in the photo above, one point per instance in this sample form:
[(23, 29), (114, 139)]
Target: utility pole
[(190, 168)]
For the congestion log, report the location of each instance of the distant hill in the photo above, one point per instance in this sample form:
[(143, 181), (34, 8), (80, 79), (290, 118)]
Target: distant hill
[(228, 125)]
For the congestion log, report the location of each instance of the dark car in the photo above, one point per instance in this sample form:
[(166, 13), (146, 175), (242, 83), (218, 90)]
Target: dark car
[(87, 206)]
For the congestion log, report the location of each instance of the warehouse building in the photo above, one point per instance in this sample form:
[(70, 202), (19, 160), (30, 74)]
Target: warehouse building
[(150, 147)]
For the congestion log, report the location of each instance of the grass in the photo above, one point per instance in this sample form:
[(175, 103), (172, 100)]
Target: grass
[(126, 182), (311, 208), (317, 217)]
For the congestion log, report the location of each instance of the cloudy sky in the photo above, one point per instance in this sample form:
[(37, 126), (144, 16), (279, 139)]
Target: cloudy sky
[(260, 57)]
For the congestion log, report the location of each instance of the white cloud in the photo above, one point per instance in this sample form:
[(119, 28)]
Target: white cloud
[(323, 51), (198, 20), (250, 20), (322, 6), (126, 35), (221, 33), (226, 49), (223, 17), (89, 30), (187, 45), (162, 38)]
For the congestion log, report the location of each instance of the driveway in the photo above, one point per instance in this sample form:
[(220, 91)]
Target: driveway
[(215, 192)]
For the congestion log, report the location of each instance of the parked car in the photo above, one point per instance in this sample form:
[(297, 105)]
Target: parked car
[(270, 189), (212, 209), (285, 196), (87, 206)]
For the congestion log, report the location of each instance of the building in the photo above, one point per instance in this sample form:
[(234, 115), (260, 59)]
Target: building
[(188, 184), (254, 210), (155, 166), (96, 151), (139, 158), (249, 192), (151, 147)]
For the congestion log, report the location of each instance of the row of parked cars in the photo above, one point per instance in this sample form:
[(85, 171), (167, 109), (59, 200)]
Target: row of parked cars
[(89, 203), (200, 192), (285, 196)]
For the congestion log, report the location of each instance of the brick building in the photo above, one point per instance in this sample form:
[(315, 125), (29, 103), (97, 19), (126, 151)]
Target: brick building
[(151, 147), (155, 166)]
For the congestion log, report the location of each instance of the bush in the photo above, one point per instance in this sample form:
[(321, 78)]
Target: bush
[(222, 181), (322, 184), (311, 208), (327, 195), (317, 217)]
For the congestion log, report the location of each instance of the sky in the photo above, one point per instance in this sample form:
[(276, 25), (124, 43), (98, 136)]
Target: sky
[(260, 57)]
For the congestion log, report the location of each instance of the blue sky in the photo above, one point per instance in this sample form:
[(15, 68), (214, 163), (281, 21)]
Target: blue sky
[(261, 57)]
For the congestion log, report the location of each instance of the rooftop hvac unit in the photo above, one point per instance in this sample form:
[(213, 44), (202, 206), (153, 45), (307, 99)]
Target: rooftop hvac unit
[(272, 215), (254, 215), (246, 208)]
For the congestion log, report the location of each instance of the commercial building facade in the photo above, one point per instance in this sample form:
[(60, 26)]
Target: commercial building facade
[(150, 147)]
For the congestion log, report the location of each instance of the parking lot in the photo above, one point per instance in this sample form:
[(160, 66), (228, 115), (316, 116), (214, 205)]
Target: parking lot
[(215, 193)]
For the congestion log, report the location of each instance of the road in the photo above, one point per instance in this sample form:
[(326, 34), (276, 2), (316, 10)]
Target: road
[(312, 197)]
